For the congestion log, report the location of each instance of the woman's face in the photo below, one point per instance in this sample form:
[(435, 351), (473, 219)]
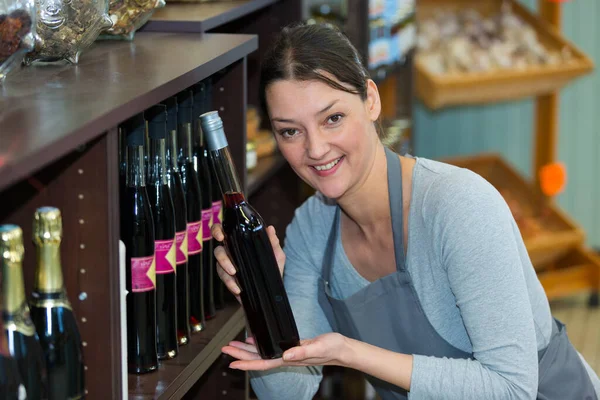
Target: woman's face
[(326, 135)]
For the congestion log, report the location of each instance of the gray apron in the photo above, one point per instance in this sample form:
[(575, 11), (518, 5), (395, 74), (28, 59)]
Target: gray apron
[(387, 313)]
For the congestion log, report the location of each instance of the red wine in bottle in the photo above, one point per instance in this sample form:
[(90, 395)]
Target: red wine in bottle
[(11, 384), (181, 244), (23, 341), (163, 215), (201, 166), (263, 295), (52, 313), (193, 200), (137, 233)]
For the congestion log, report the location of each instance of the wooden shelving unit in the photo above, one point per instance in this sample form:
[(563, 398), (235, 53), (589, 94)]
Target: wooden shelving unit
[(563, 263), (201, 17), (59, 147)]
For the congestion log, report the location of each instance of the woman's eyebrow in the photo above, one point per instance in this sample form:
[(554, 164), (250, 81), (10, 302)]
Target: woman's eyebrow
[(291, 121)]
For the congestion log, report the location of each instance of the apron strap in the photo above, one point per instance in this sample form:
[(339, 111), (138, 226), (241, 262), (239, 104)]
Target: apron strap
[(394, 176)]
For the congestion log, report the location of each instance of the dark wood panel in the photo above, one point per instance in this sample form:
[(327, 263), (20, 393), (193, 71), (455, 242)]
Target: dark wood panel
[(49, 110), (82, 186), (264, 170), (201, 17), (175, 377), (229, 98)]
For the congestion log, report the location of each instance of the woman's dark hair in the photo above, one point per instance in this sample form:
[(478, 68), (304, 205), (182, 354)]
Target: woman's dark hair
[(309, 52)]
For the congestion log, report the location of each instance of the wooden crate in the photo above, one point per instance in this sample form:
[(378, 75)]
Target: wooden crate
[(575, 272), (438, 91), (556, 232)]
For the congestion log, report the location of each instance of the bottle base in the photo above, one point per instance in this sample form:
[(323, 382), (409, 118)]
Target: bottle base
[(168, 355), (182, 341), (197, 327), (142, 370)]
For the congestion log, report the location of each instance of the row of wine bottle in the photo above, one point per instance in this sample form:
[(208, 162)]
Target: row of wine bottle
[(175, 186), (40, 346), (169, 202)]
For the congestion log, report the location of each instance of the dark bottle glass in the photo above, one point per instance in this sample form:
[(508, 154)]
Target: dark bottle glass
[(217, 210), (193, 200), (163, 216), (23, 341), (178, 195), (137, 233), (201, 166), (52, 313), (263, 295), (11, 384)]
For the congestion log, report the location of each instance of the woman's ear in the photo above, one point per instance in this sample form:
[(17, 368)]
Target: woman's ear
[(373, 101)]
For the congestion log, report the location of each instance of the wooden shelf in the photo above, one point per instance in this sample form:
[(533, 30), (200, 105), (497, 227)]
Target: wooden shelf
[(47, 111), (175, 377), (201, 17), (265, 169)]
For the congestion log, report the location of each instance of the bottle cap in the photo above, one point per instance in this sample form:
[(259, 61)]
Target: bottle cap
[(157, 121), (135, 130), (11, 243), (171, 104), (47, 225), (184, 107), (212, 126)]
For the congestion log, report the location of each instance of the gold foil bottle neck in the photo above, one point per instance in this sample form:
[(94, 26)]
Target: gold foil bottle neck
[(47, 225), (11, 244)]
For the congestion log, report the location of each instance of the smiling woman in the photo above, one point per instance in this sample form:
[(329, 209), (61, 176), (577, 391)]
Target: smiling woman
[(407, 269)]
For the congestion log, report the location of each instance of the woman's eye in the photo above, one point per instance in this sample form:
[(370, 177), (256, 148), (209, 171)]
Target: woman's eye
[(288, 132), (334, 119)]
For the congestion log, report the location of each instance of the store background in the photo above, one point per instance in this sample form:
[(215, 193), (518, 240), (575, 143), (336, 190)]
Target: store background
[(507, 127)]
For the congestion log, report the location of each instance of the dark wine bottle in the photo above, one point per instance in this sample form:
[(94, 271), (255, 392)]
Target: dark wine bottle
[(201, 166), (217, 206), (193, 200), (178, 195), (263, 295), (11, 384), (23, 341), (217, 209), (52, 313), (163, 215), (137, 233)]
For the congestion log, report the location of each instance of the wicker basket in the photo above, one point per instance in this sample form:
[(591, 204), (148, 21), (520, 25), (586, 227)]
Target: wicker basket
[(437, 90), (547, 231), (577, 271)]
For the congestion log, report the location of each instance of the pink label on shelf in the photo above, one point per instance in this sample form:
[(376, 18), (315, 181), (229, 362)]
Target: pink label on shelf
[(143, 274), (194, 230), (207, 217), (217, 209), (181, 245), (164, 251)]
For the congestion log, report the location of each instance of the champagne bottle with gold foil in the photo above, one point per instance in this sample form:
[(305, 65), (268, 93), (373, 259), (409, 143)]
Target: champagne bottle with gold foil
[(52, 313), (11, 383), (22, 340)]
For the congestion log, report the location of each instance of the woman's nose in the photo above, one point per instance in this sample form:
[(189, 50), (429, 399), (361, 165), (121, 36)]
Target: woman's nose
[(317, 146)]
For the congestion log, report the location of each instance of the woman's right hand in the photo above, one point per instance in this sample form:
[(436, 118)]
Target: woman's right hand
[(225, 268)]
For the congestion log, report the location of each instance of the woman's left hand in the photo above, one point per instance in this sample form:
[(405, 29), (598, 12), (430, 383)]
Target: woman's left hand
[(327, 349)]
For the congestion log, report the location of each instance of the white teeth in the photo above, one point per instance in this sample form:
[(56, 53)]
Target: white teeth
[(327, 166)]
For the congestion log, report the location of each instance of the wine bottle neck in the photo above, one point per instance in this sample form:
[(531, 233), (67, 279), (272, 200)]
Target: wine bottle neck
[(171, 151), (157, 169), (135, 166), (48, 276), (13, 287), (184, 137), (225, 171)]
